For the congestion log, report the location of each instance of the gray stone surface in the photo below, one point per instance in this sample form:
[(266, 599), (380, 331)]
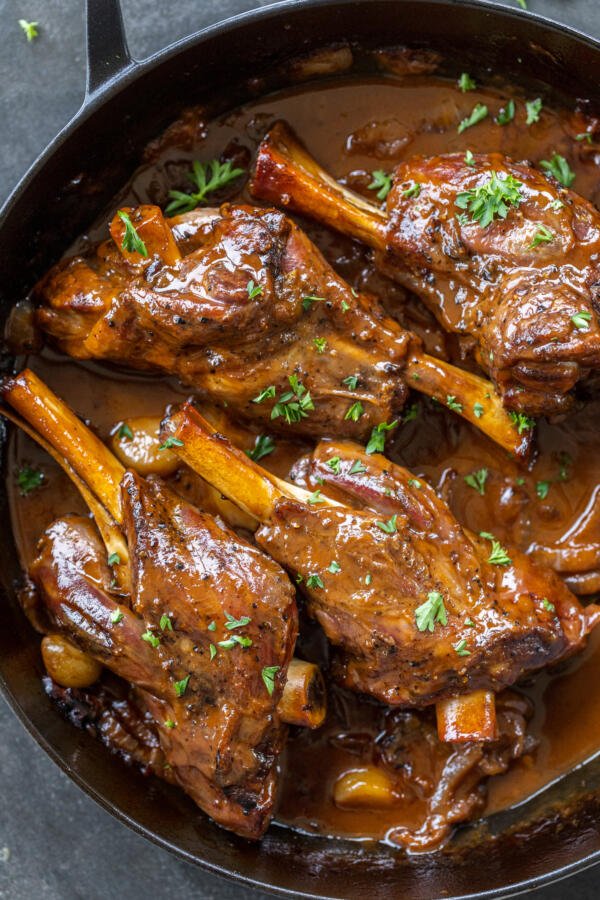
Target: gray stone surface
[(55, 843)]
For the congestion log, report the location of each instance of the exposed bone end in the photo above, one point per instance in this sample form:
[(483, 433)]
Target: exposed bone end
[(287, 175), (304, 698), (474, 398), (74, 443), (470, 717)]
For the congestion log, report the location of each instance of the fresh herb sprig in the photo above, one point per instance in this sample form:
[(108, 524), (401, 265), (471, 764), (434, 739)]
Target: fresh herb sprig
[(207, 177)]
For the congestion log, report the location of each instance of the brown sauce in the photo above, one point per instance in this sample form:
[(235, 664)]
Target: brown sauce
[(353, 127)]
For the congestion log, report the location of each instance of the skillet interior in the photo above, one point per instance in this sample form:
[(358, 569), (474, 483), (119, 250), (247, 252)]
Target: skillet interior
[(68, 189)]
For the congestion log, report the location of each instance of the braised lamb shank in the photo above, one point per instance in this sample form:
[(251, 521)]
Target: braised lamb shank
[(201, 622), (499, 252), (239, 304), (419, 609)]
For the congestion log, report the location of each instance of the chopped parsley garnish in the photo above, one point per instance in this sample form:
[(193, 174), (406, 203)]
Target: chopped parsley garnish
[(469, 623), (212, 650), (543, 235), (235, 640), (534, 108), (390, 526), (521, 421), (466, 83), (181, 686), (469, 159), (506, 114), (125, 432), (357, 468), (584, 136), (165, 623), (547, 605), (345, 306), (556, 204), (414, 482), (29, 480), (478, 410), (461, 648), (368, 579), (263, 445), (169, 723), (413, 190), (334, 567), (30, 29), (351, 382), (582, 320), (478, 113), (314, 581), (233, 623), (498, 555), (492, 199), (267, 394), (171, 442), (116, 616), (308, 301), (354, 412), (114, 559), (430, 612), (377, 440), (320, 344), (411, 413), (520, 482), (268, 676), (477, 480), (315, 497), (564, 461), (151, 639), (207, 177), (382, 183), (522, 4), (132, 242), (212, 626), (542, 488), (452, 403), (254, 290), (293, 405), (560, 169), (334, 464)]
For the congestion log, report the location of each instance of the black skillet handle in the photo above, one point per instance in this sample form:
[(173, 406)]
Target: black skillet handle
[(107, 51)]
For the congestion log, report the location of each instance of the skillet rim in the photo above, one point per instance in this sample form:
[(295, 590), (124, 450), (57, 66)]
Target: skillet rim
[(130, 71)]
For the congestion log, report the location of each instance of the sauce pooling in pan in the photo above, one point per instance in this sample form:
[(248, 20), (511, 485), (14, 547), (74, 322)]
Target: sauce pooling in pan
[(548, 509)]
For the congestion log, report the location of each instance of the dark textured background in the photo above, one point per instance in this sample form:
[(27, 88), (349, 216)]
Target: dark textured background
[(55, 843)]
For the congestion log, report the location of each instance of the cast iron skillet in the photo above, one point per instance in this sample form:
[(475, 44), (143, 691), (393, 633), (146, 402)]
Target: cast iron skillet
[(128, 103)]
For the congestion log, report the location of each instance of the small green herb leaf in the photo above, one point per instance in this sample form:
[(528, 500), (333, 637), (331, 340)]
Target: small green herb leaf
[(478, 113), (316, 497), (308, 301), (334, 567), (491, 199), (478, 410), (581, 320), (498, 555), (477, 480), (29, 480), (181, 686), (351, 382), (114, 559), (560, 169), (542, 488), (235, 640), (506, 114), (466, 83), (267, 394), (413, 190), (30, 29), (207, 177), (543, 235), (521, 421), (132, 242), (314, 581), (550, 607), (151, 639), (254, 290), (233, 623), (116, 616), (357, 468), (263, 446), (469, 158), (430, 612), (170, 443), (382, 183), (534, 108), (354, 412), (461, 648), (389, 526), (268, 676), (334, 464), (378, 436), (452, 403), (320, 344)]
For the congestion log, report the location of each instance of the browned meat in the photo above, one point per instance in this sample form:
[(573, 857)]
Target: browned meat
[(498, 251), (254, 318), (449, 781), (418, 609), (526, 287), (218, 725), (199, 620)]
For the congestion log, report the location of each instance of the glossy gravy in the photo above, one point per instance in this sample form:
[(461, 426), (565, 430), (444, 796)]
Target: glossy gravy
[(354, 127)]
